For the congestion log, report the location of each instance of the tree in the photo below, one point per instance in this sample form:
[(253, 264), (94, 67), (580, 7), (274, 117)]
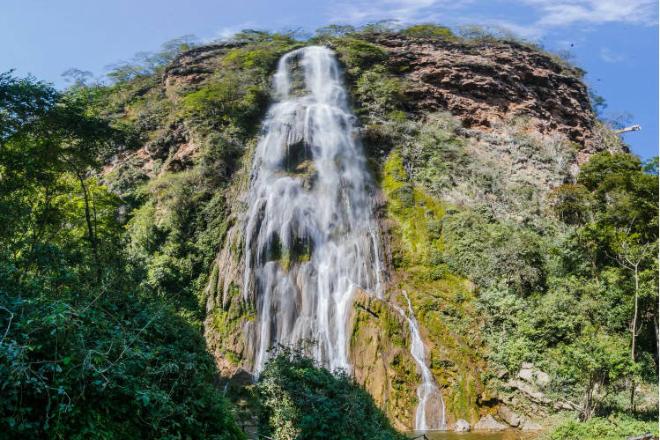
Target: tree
[(303, 400), (634, 256), (594, 360), (85, 350)]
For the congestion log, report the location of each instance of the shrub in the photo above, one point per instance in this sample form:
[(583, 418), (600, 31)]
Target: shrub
[(429, 31), (600, 428), (379, 94), (359, 55), (302, 400)]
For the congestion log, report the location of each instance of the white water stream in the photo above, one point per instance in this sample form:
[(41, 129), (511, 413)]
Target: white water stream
[(430, 413), (310, 239)]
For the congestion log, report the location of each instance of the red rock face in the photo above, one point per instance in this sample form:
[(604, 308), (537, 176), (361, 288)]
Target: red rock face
[(486, 82), (195, 65)]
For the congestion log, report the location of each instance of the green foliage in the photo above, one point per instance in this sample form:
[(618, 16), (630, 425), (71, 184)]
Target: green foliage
[(358, 54), (301, 400), (492, 252), (600, 428), (601, 283), (226, 100), (429, 31), (571, 203), (651, 166), (85, 351), (437, 154), (378, 93), (146, 64), (109, 366), (23, 99), (626, 197), (175, 235)]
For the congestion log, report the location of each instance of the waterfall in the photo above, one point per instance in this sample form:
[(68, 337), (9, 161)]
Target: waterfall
[(310, 237), (430, 413)]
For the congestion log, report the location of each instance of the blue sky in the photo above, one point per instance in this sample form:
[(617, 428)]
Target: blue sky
[(615, 41)]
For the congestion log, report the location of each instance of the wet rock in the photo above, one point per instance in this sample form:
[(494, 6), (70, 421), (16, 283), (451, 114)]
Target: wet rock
[(241, 378), (488, 423), (461, 425)]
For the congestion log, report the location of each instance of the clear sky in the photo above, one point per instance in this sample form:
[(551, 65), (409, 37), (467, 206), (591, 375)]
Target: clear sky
[(615, 41)]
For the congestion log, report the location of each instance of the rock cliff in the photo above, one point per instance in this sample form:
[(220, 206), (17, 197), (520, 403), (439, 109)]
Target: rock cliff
[(491, 126)]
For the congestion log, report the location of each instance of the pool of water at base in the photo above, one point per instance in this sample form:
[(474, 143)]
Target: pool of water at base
[(446, 435)]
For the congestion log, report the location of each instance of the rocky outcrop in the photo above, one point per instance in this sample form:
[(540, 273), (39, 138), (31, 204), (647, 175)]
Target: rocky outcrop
[(488, 423), (509, 416), (484, 82), (530, 426), (533, 375), (380, 358), (510, 99), (194, 66), (461, 426)]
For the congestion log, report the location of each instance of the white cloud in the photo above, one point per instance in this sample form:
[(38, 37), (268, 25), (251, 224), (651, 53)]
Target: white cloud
[(609, 56), (556, 13), (361, 11), (227, 32), (545, 14)]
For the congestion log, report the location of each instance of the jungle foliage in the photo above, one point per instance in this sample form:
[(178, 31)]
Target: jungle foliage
[(85, 350), (301, 400), (102, 271)]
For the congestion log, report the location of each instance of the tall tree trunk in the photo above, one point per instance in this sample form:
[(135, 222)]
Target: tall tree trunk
[(633, 330), (633, 324), (91, 235)]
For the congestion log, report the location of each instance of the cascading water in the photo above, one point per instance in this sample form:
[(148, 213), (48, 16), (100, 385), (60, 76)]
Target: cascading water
[(430, 413), (310, 239)]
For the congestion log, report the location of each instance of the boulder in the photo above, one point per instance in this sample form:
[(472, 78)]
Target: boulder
[(530, 391), (461, 426), (529, 373), (509, 416), (565, 405), (529, 426), (488, 423)]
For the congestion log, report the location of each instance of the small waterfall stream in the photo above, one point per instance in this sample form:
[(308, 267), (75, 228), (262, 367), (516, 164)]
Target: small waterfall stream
[(310, 237), (430, 413)]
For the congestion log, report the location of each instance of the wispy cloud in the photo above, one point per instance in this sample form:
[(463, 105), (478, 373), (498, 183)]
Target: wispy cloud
[(555, 13), (609, 56), (546, 15), (227, 32), (361, 11)]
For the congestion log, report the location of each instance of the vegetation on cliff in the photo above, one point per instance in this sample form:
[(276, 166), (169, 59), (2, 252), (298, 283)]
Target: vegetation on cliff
[(116, 200), (301, 400), (85, 351)]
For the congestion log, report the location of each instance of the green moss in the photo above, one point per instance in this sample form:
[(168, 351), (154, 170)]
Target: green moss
[(229, 322), (262, 56), (429, 31), (380, 94), (442, 301), (418, 215), (358, 54), (232, 357), (231, 98)]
